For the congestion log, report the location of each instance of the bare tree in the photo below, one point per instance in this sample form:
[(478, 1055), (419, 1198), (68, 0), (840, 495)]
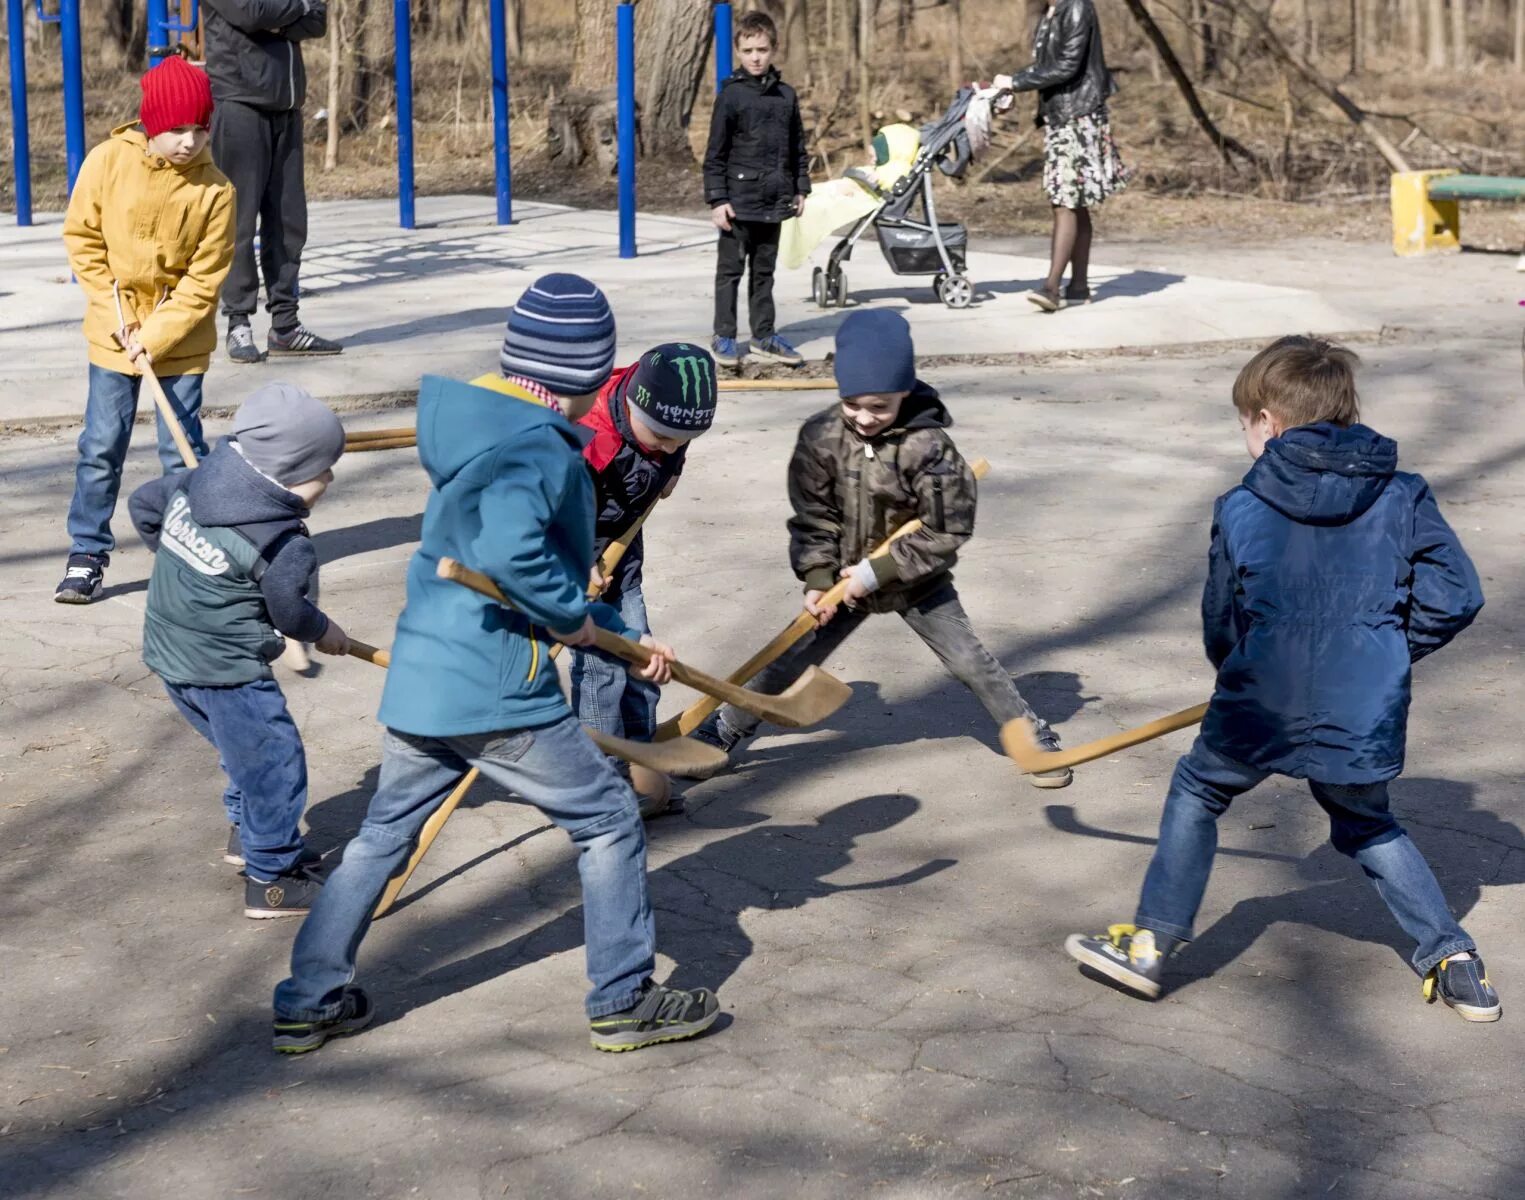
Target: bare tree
[(675, 44), (1357, 38), (1461, 53), (864, 53), (1519, 37), (956, 43), (514, 28), (593, 47), (1436, 60), (1413, 23), (336, 13)]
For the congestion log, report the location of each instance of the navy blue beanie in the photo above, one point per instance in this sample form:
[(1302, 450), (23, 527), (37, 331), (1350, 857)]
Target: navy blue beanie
[(560, 335), (874, 354)]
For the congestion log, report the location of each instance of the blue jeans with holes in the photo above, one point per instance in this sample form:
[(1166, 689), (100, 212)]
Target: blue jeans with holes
[(109, 411), (606, 694), (554, 767), (260, 751), (1360, 826)]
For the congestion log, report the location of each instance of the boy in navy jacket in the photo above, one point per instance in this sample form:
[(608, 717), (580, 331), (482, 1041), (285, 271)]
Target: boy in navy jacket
[(231, 569), (640, 428), (470, 684), (1331, 571)]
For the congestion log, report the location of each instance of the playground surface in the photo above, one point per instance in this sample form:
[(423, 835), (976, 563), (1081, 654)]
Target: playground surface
[(880, 901)]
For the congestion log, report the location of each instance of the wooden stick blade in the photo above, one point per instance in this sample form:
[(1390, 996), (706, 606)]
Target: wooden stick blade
[(1023, 749), (676, 757)]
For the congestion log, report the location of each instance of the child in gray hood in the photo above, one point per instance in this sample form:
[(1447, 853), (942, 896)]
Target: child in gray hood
[(231, 570)]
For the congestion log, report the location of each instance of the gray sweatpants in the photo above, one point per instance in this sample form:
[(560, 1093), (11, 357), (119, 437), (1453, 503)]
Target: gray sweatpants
[(940, 621), (260, 151)]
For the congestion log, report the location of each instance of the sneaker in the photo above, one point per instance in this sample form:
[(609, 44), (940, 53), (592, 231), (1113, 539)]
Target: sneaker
[(1124, 954), (241, 347), (776, 349), (301, 1037), (727, 352), (289, 894), (1051, 779), (663, 1014), (82, 579), (299, 341), (1076, 295), (1049, 302), (1463, 986), (711, 733)]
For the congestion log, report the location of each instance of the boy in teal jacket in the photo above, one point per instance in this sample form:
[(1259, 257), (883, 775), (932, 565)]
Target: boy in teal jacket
[(471, 686)]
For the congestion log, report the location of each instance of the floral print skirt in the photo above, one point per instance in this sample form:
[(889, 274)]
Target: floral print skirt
[(1081, 166)]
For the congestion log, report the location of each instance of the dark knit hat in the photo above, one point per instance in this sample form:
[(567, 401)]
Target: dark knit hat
[(175, 94), (287, 433), (561, 336), (874, 354), (673, 388)]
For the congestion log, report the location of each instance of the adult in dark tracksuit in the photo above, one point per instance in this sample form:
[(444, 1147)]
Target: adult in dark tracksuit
[(254, 57)]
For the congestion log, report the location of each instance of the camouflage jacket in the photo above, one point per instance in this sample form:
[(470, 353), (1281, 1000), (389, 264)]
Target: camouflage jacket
[(850, 494)]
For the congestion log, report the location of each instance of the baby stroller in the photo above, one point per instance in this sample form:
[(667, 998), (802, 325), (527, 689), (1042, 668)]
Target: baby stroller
[(912, 244)]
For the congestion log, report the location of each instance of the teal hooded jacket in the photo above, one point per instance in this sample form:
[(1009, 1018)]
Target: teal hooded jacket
[(510, 498)]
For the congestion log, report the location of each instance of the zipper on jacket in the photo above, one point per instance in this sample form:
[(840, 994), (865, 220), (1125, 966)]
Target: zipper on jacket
[(937, 501), (291, 73)]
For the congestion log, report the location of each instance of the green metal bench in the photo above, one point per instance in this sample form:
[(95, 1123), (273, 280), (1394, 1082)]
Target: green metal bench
[(1426, 217), (1477, 187)]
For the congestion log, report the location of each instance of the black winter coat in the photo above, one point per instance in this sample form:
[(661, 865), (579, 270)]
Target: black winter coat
[(850, 494), (1069, 70), (756, 160), (252, 53), (1331, 571)]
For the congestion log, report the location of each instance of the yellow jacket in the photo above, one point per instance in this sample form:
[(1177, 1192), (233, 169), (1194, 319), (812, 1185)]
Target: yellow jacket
[(157, 237)]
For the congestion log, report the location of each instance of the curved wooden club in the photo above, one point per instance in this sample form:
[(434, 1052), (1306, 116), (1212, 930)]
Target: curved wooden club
[(166, 411), (609, 559), (695, 714), (812, 697), (670, 758), (1022, 747)]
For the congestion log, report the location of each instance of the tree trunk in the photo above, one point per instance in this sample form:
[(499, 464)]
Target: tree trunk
[(1357, 38), (593, 47), (1437, 31), (1300, 28), (1413, 23), (373, 52), (335, 79), (1519, 37), (864, 51), (674, 46), (1461, 53), (514, 29), (1373, 20), (796, 33), (956, 43), (125, 33)]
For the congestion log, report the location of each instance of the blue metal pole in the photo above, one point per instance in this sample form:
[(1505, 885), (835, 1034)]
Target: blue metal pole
[(723, 43), (404, 36), (625, 122), (158, 31), (74, 88), (21, 138), (501, 166)]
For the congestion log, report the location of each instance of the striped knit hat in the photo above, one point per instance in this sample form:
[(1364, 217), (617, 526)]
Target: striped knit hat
[(561, 336)]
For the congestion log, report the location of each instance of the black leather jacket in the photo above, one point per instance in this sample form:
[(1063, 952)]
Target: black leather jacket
[(1068, 71)]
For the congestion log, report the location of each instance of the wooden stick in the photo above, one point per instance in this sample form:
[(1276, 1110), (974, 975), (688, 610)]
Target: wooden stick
[(379, 435), (406, 443), (166, 409), (1022, 747), (828, 383), (610, 559), (426, 837), (812, 697), (695, 715)]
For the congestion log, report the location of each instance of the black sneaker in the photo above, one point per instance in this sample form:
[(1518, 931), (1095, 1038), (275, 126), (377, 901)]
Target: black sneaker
[(302, 1037), (289, 894), (241, 347), (299, 341), (82, 579), (1125, 954), (663, 1014), (1464, 987)]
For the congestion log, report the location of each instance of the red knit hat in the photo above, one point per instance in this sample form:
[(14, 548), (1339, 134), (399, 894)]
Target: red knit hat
[(175, 94)]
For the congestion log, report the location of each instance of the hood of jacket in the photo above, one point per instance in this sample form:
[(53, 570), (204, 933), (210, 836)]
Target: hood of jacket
[(1324, 474), (226, 489), (768, 81), (132, 133), (460, 422), (922, 408)]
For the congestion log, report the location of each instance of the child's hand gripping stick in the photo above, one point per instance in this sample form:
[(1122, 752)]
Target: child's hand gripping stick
[(161, 402), (694, 716), (812, 697)]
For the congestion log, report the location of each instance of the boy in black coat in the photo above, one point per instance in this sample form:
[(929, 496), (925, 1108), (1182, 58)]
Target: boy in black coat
[(756, 176), (1330, 572)]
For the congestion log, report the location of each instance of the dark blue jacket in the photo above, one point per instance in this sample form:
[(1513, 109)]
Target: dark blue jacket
[(511, 499), (1331, 571)]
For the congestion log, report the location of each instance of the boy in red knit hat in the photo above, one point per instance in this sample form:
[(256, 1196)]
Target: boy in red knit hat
[(149, 233)]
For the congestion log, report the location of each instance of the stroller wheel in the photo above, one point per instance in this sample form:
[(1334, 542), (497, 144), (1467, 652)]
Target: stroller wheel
[(839, 290), (818, 287), (957, 291)]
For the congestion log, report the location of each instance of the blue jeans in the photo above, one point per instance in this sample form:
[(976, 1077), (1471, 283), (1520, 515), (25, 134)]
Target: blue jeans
[(1360, 826), (606, 694), (109, 411), (554, 767), (260, 751)]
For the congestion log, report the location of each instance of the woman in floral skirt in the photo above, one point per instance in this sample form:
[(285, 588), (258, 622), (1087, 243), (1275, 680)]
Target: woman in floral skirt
[(1081, 167)]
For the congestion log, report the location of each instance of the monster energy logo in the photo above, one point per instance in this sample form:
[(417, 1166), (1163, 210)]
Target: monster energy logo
[(697, 369)]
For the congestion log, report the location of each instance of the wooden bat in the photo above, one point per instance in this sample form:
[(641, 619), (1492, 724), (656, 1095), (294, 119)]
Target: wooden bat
[(166, 409), (610, 559), (694, 716), (1023, 749), (812, 697)]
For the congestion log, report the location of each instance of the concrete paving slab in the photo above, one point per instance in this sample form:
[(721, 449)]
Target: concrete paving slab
[(435, 298)]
